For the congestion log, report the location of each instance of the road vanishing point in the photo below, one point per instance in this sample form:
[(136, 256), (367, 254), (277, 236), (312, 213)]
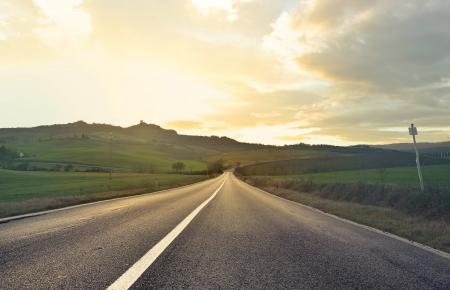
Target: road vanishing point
[(217, 234)]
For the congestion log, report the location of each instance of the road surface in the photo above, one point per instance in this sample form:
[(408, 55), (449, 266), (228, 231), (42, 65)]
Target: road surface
[(238, 238)]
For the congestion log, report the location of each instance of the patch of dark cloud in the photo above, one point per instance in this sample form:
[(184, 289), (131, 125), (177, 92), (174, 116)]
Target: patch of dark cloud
[(392, 45)]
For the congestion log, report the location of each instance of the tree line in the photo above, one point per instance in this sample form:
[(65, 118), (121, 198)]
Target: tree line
[(213, 167), (7, 156)]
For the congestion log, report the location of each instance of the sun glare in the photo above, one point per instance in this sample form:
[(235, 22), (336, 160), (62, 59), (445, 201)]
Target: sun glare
[(205, 6)]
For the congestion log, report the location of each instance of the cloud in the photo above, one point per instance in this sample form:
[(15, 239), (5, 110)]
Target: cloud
[(383, 44), (15, 19), (386, 64), (184, 125), (284, 39), (251, 108), (265, 115), (62, 22), (206, 7)]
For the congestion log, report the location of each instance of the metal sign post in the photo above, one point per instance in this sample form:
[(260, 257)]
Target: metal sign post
[(110, 156), (413, 133)]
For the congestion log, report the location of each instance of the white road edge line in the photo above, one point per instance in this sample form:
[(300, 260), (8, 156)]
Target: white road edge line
[(134, 272), (38, 213), (375, 230)]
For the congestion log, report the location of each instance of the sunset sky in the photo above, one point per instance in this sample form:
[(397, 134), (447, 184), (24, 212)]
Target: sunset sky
[(268, 71)]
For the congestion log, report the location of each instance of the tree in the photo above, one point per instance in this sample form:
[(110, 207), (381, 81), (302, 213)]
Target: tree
[(216, 166), (3, 154), (68, 167), (7, 156), (178, 166), (23, 166)]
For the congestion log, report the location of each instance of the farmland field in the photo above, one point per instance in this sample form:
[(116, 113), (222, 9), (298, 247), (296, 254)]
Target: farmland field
[(27, 191), (266, 155), (339, 162), (404, 176), (126, 156)]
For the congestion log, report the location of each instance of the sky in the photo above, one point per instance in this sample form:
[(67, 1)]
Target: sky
[(265, 71)]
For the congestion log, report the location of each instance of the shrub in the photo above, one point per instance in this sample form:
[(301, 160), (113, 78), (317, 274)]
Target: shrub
[(434, 202)]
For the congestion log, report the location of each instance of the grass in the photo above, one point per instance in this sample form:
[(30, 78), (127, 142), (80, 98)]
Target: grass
[(131, 156), (359, 161), (402, 176), (267, 155), (25, 191)]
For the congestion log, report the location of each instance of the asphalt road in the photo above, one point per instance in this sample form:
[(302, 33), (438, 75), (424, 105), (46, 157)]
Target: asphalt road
[(243, 238)]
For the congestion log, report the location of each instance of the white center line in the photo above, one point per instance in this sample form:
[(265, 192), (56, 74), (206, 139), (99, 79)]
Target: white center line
[(134, 272)]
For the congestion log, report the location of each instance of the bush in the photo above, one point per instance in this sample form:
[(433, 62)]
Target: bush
[(7, 156), (178, 166), (23, 166), (68, 167), (434, 202), (216, 167)]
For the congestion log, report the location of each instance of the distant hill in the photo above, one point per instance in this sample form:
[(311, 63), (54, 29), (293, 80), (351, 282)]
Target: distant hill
[(142, 147), (438, 147), (148, 148), (139, 133)]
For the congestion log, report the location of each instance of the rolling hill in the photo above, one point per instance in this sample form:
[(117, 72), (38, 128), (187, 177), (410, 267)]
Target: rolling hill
[(142, 147), (430, 148), (150, 148)]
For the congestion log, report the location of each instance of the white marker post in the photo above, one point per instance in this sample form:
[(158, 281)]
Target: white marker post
[(110, 155), (413, 133)]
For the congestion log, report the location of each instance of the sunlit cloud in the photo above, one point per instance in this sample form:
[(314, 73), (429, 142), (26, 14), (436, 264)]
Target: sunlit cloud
[(265, 115), (228, 6), (289, 42), (385, 63), (62, 22), (184, 125), (14, 20), (4, 21)]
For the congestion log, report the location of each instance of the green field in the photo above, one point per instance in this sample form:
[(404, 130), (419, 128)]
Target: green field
[(27, 191), (337, 162), (392, 187), (126, 156), (266, 155), (403, 176)]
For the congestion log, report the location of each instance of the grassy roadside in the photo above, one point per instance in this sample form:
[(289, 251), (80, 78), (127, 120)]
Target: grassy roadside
[(434, 175), (432, 231), (24, 192)]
